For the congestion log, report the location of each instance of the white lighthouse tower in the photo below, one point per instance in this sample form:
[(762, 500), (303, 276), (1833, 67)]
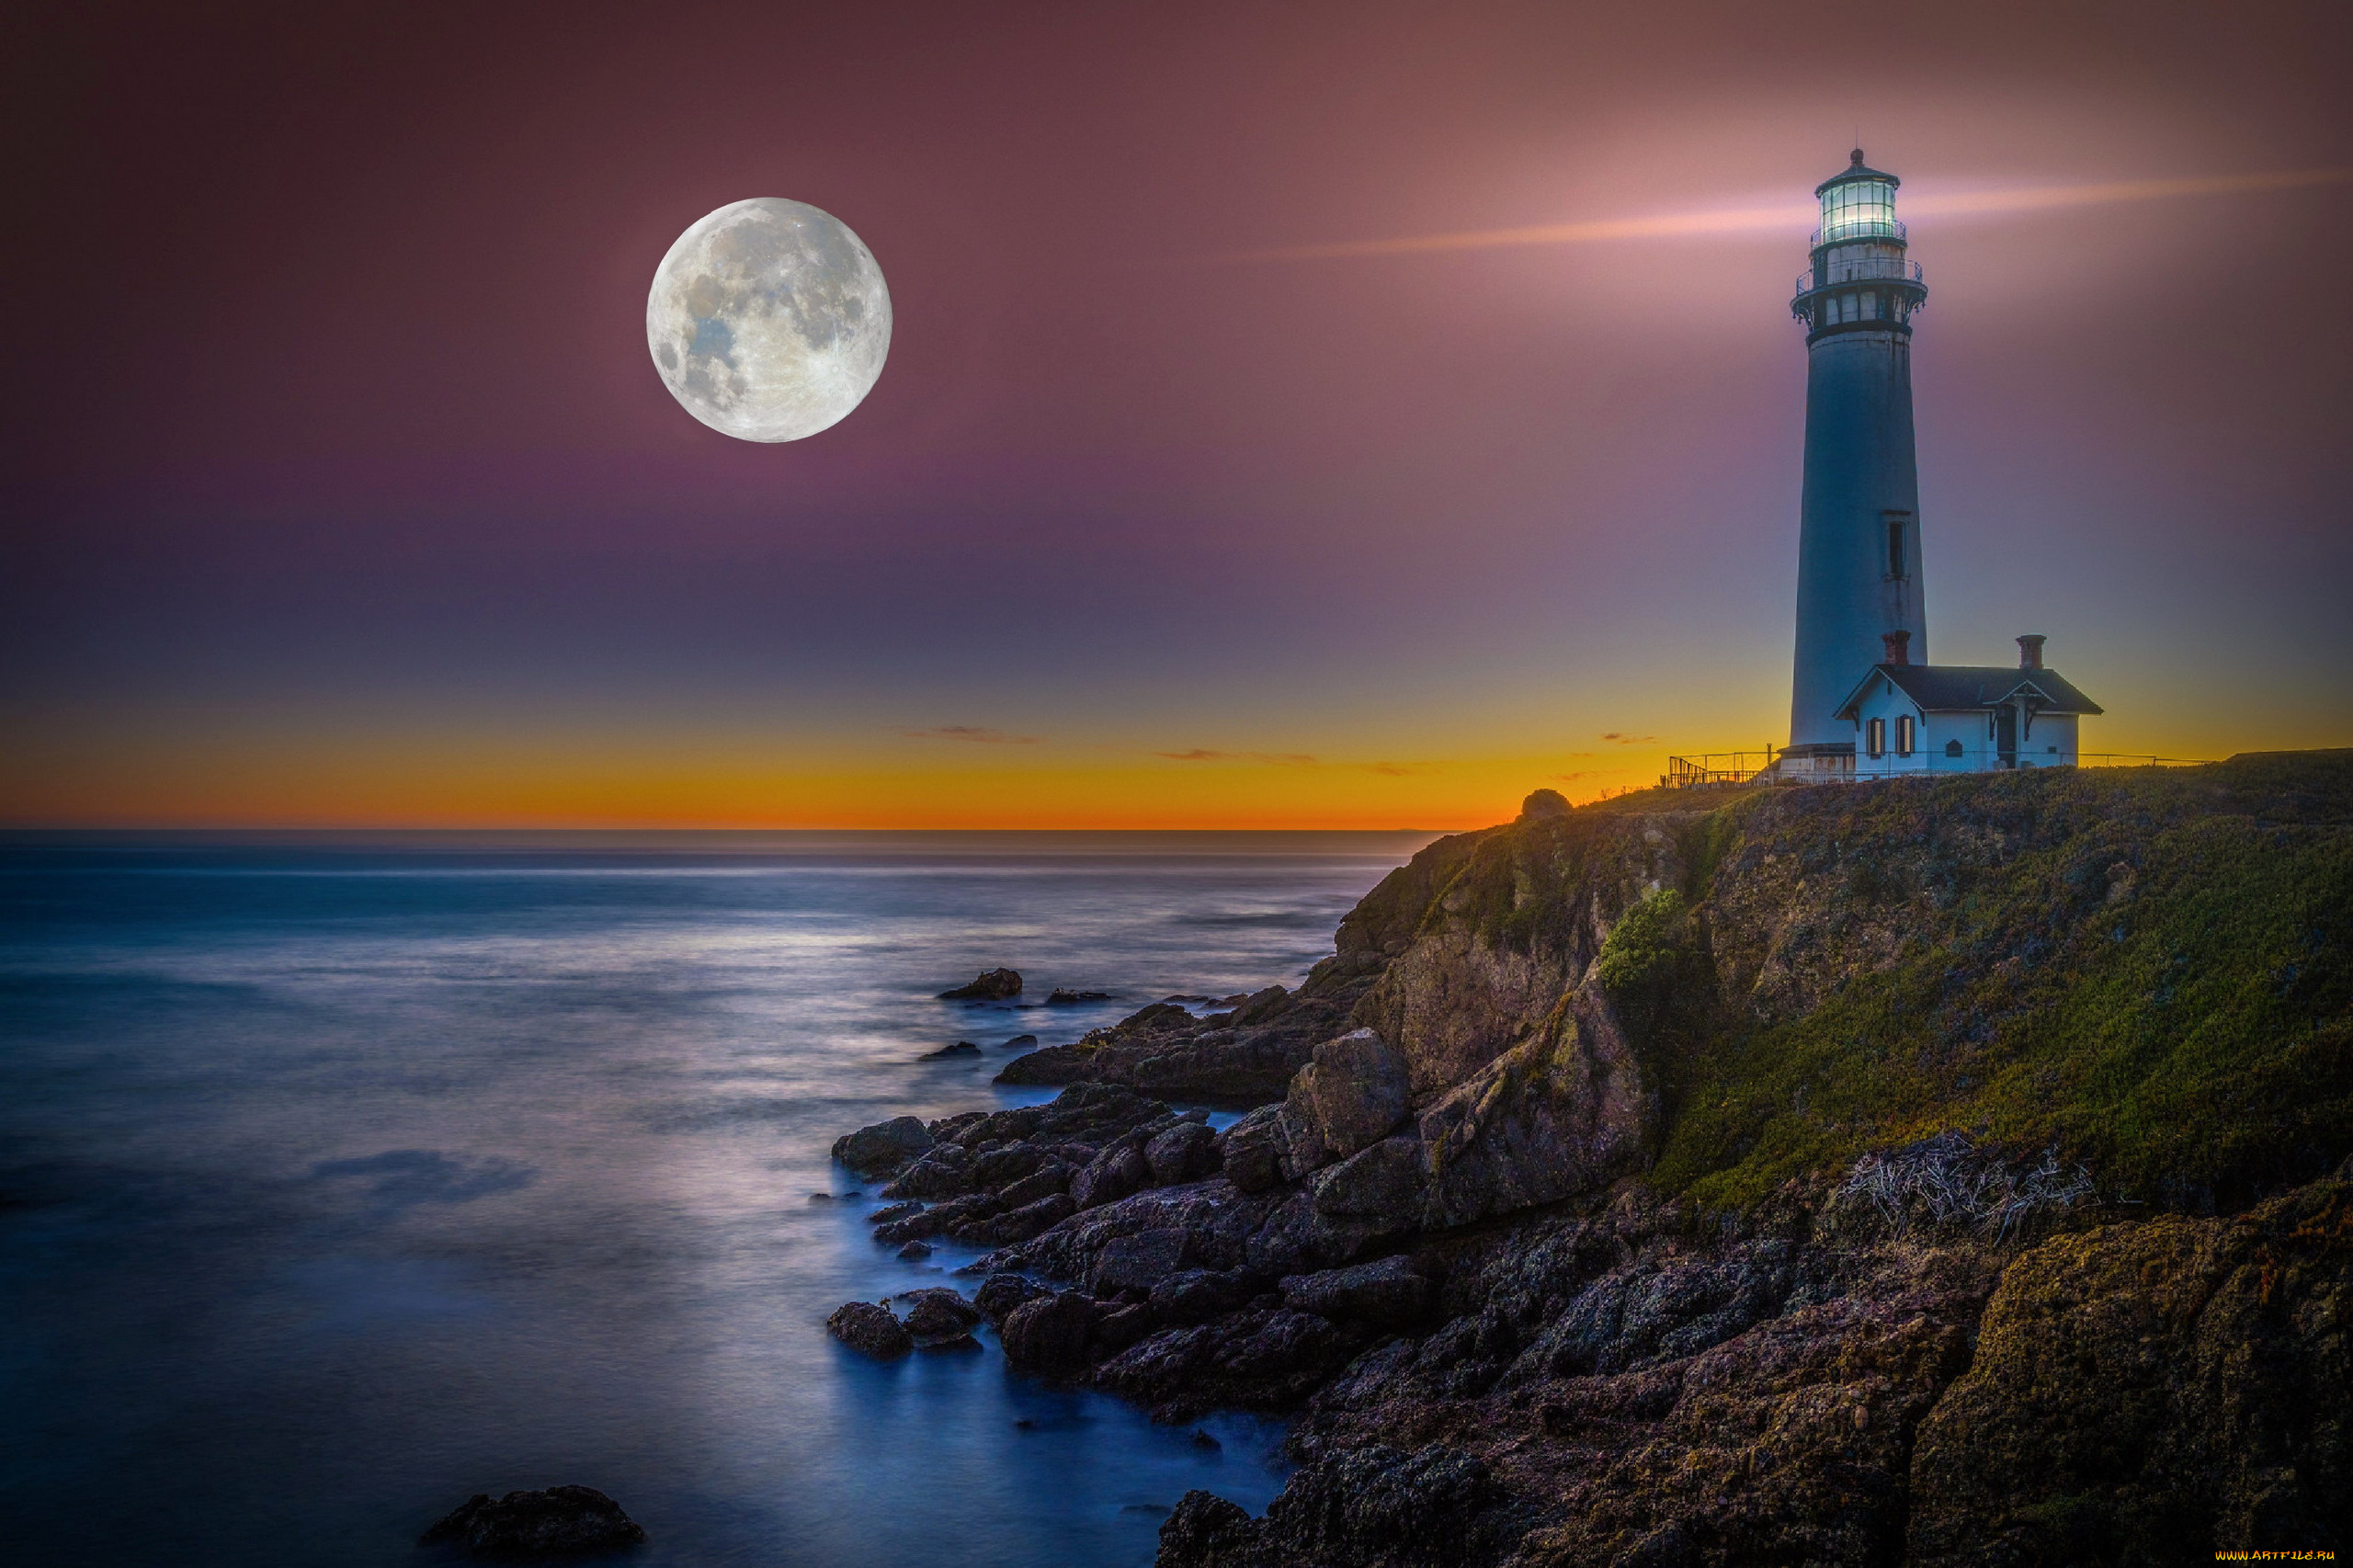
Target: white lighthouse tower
[(1858, 550)]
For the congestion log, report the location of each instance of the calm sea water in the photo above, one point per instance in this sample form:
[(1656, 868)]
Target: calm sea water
[(340, 1179)]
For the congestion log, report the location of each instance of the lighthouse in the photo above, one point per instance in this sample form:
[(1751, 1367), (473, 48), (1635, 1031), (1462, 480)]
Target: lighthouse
[(1865, 702), (1858, 542)]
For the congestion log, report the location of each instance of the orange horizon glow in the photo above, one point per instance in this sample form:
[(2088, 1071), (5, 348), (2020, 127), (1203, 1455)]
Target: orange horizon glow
[(584, 787)]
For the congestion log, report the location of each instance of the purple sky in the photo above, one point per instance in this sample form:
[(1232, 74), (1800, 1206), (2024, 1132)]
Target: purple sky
[(340, 488)]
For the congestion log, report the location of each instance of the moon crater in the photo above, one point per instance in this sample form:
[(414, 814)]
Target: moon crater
[(768, 320)]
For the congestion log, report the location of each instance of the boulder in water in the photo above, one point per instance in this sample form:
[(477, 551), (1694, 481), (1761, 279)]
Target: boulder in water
[(990, 985), (870, 1329), (562, 1521), (884, 1147)]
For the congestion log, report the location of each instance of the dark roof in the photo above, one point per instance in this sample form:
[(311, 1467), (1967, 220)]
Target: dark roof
[(1945, 689), (1856, 169)]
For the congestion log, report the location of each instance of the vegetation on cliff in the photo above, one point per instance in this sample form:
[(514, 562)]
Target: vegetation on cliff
[(2152, 970)]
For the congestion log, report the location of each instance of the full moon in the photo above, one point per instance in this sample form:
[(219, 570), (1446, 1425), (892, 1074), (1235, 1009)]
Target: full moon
[(768, 320)]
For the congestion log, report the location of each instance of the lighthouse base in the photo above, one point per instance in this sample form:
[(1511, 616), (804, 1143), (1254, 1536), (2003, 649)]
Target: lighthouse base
[(1815, 762)]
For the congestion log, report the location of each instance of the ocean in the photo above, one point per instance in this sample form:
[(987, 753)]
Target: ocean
[(343, 1177)]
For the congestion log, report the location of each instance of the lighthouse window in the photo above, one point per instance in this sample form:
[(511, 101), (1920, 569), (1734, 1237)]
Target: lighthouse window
[(1875, 737), (1903, 734), (1895, 548)]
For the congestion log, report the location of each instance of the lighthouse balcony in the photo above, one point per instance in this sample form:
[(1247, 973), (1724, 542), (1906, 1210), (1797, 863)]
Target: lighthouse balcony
[(1858, 269)]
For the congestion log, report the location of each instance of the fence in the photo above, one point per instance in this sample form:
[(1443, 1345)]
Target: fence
[(1744, 769)]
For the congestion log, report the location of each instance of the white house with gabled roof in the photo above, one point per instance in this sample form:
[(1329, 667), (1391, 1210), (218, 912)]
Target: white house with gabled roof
[(1911, 718)]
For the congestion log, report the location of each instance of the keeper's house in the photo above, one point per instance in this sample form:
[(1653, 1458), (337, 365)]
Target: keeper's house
[(1913, 717)]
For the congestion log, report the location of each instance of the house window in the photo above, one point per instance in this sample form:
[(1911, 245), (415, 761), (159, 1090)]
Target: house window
[(1952, 748), (1875, 737), (1903, 736), (1895, 547)]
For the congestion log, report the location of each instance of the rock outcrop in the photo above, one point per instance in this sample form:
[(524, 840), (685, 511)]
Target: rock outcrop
[(992, 985), (1930, 1171), (562, 1522), (2154, 1391), (870, 1329)]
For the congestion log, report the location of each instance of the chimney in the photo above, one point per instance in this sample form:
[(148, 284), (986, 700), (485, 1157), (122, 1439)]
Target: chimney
[(1899, 646), (2030, 651)]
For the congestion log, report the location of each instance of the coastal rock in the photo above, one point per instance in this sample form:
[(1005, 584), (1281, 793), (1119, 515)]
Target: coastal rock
[(870, 1329), (1003, 1291), (1186, 1152), (1139, 1261), (1375, 1507), (1204, 1530), (1250, 1152), (1260, 1006), (1049, 1334), (947, 1128), (1543, 803), (914, 1251), (940, 1218), (992, 985), (938, 1313), (1387, 1294), (1017, 1224), (942, 1172), (890, 1212), (1111, 1175), (1047, 1065), (1563, 1113), (1352, 1094), (1019, 1042), (961, 1047), (1119, 1327), (1061, 997), (1010, 1163), (1381, 1184), (1046, 1181), (2149, 1392), (1163, 1050), (1192, 1296), (884, 1147), (1303, 1149), (1257, 1358), (562, 1521), (1218, 1221)]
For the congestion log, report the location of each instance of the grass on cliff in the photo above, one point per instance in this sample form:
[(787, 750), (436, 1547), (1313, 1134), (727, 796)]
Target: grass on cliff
[(2152, 970)]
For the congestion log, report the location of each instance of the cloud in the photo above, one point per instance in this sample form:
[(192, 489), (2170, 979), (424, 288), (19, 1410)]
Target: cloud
[(1733, 219), (1625, 739), (1279, 759), (980, 733)]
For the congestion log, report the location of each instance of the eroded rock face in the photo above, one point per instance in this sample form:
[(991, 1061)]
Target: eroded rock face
[(1564, 1112), (562, 1521), (2153, 1392), (1352, 1094)]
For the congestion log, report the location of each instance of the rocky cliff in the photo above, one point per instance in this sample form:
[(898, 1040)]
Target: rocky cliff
[(1935, 1171)]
